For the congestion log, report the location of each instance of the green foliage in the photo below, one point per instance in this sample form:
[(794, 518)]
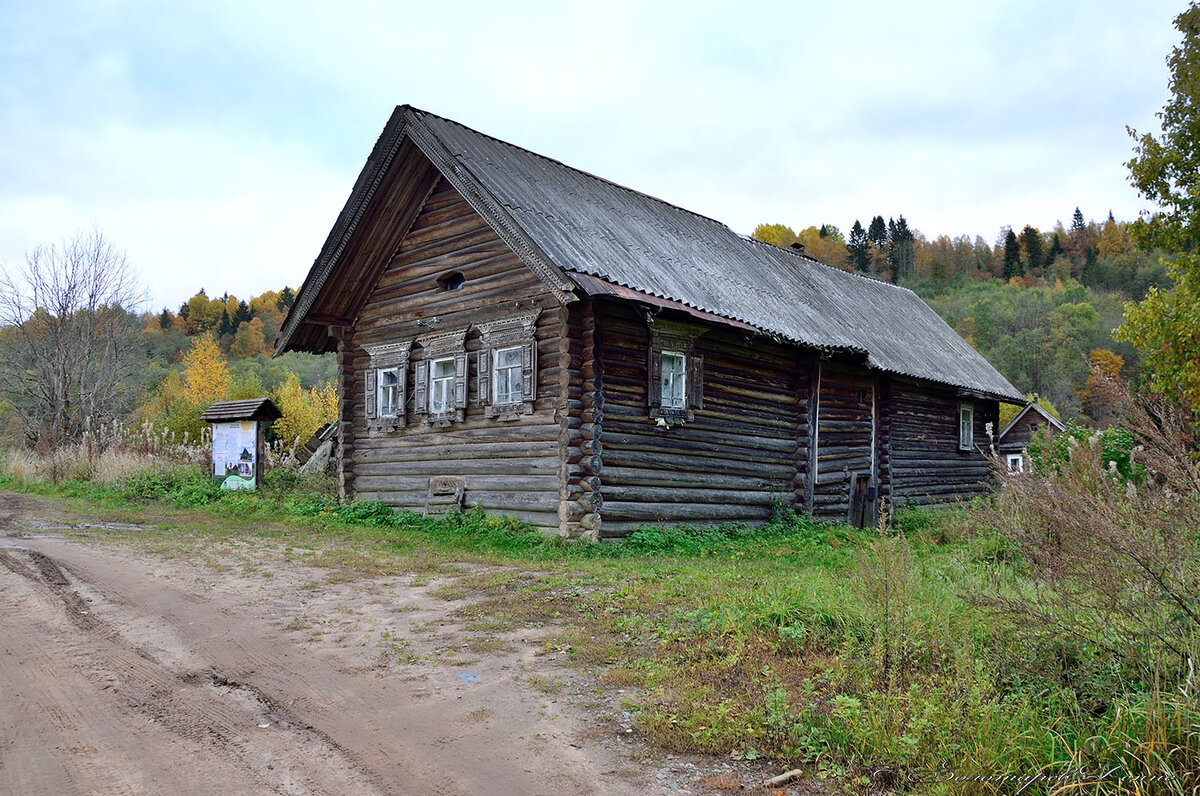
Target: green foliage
[(1116, 447), (1164, 169), (1165, 327)]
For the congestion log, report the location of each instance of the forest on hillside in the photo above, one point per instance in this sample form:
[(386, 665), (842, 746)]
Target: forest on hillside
[(1040, 306)]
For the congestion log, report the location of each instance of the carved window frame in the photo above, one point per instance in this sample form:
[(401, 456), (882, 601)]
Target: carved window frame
[(674, 338), (442, 345), (386, 357), (516, 331)]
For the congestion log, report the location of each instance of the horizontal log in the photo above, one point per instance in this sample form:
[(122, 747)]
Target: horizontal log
[(509, 449), (622, 458), (545, 484), (652, 476), (681, 512), (464, 467), (654, 494)]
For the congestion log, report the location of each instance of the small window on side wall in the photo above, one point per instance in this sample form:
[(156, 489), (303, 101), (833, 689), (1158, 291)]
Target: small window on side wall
[(966, 426), (674, 380), (675, 387), (1016, 462)]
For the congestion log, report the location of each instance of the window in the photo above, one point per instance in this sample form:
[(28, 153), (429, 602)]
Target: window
[(440, 378), (675, 387), (388, 380), (385, 388), (441, 385), (506, 377), (1016, 462), (966, 426), (507, 365), (674, 380)]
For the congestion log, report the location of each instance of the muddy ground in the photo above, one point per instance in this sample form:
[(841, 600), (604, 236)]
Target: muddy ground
[(233, 669)]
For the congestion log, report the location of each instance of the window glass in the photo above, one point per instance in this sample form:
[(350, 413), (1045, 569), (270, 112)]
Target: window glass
[(966, 421), (388, 391), (673, 380), (506, 376), (441, 385)]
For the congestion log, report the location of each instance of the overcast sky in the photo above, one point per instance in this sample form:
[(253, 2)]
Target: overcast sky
[(215, 142)]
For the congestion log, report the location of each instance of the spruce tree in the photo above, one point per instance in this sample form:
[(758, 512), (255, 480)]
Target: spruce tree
[(858, 250), (1012, 256), (877, 232)]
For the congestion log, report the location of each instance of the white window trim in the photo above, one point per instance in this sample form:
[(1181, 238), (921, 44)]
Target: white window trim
[(518, 394), (448, 381), (966, 431), (1017, 459), (381, 389), (667, 396), (439, 347)]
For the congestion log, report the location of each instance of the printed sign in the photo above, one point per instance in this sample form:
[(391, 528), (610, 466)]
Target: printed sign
[(235, 454)]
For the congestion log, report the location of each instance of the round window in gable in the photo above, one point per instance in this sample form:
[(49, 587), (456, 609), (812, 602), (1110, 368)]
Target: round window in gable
[(451, 281)]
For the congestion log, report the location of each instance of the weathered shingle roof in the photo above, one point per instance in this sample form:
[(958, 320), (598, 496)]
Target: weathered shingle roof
[(248, 409), (578, 222)]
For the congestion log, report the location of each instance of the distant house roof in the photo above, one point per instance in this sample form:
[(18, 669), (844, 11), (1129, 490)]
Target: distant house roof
[(1032, 406), (565, 223), (233, 411)]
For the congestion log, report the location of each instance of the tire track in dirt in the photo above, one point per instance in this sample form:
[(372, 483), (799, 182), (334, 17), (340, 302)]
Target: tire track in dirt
[(205, 708)]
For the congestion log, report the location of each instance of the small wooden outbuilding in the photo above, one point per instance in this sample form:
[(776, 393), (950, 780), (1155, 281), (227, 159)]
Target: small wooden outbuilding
[(1012, 443), (515, 334)]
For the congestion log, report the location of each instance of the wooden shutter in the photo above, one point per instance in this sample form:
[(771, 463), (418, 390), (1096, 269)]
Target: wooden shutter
[(421, 388), (369, 394), (484, 373), (401, 389), (528, 370), (460, 380), (695, 381), (654, 379)]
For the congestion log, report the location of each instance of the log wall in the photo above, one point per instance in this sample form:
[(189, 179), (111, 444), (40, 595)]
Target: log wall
[(845, 439), (512, 466), (926, 464), (740, 452)]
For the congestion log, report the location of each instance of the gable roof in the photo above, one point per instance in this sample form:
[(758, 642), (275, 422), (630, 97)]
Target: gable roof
[(562, 221), (1032, 406)]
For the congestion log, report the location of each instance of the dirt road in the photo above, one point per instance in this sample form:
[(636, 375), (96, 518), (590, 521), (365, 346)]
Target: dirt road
[(124, 673)]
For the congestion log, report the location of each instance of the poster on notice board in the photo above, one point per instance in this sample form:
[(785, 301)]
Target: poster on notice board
[(235, 454)]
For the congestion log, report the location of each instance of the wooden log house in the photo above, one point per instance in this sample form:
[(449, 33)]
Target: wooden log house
[(515, 334)]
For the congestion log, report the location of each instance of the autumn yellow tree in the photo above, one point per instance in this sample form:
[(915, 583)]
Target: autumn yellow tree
[(206, 376), (304, 411), (1106, 366), (249, 340)]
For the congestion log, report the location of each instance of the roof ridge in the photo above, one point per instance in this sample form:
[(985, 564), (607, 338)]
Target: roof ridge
[(588, 174)]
